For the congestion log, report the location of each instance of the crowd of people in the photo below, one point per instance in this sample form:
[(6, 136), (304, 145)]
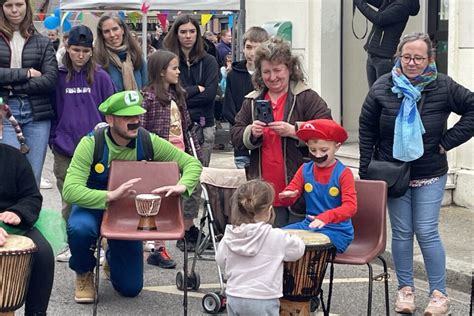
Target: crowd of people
[(106, 96)]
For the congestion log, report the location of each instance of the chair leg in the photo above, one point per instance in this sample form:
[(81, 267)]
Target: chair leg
[(331, 278), (369, 299), (96, 277), (386, 276), (185, 279)]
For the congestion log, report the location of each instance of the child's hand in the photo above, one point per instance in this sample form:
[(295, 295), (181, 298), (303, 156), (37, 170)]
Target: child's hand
[(316, 223), (288, 194)]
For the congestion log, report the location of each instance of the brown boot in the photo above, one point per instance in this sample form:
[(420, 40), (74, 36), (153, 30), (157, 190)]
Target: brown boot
[(85, 291), (438, 305)]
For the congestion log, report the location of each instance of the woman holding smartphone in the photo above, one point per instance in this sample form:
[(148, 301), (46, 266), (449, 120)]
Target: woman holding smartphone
[(278, 79)]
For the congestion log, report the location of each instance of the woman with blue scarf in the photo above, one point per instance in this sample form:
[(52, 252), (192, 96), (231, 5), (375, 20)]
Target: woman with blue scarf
[(404, 118)]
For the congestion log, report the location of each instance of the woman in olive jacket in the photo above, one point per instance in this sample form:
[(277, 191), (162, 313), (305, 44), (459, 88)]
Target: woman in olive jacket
[(28, 75)]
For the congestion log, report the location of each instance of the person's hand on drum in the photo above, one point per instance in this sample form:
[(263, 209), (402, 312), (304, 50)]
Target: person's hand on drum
[(123, 191), (315, 223), (170, 190), (283, 129), (10, 218), (3, 237), (257, 128), (288, 194)]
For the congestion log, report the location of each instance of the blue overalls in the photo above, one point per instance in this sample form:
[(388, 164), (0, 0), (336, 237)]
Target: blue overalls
[(321, 197), (125, 258)]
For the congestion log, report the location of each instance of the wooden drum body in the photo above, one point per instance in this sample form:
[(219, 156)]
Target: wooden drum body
[(302, 279), (16, 258)]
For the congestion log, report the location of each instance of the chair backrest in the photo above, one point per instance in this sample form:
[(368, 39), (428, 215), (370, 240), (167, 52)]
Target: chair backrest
[(121, 217), (370, 226)]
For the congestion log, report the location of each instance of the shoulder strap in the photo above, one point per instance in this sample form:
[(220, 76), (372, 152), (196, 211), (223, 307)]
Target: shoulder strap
[(99, 137), (147, 146)]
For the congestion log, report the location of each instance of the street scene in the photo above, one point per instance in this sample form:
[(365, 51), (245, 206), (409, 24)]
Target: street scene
[(236, 157)]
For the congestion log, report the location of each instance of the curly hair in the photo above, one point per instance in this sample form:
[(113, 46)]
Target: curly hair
[(249, 200), (276, 50)]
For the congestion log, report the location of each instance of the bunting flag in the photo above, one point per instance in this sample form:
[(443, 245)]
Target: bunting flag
[(205, 18), (145, 7), (80, 17), (41, 16), (162, 17), (134, 18), (65, 16), (231, 21)]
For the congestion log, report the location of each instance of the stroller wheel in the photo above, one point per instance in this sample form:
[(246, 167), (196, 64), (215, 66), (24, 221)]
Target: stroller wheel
[(180, 280), (211, 302), (194, 281)]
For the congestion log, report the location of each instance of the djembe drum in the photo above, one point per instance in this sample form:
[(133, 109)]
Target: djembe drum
[(16, 258), (302, 279), (148, 206)]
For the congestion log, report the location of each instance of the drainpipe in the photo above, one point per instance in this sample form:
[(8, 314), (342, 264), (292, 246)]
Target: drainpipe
[(341, 63)]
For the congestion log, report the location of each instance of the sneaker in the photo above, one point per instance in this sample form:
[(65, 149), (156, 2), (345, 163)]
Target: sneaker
[(161, 258), (45, 184), (64, 255), (405, 303), (149, 246), (85, 292), (438, 305), (191, 237)]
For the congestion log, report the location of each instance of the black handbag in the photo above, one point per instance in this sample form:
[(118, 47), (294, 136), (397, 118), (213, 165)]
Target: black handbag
[(199, 131), (396, 174)]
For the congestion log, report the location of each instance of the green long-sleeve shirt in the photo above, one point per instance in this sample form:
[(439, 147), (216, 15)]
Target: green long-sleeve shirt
[(75, 189)]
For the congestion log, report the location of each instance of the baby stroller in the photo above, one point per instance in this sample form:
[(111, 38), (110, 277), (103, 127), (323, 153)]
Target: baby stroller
[(218, 185)]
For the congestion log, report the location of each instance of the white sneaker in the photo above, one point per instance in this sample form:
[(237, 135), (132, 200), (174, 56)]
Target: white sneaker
[(45, 184), (64, 255), (149, 246)]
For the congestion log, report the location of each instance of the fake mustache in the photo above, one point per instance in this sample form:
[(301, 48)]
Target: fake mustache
[(320, 159), (133, 126)]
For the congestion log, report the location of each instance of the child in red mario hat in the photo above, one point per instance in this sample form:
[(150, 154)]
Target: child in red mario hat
[(327, 184)]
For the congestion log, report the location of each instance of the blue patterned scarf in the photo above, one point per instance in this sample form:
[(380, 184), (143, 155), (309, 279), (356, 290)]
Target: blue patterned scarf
[(408, 139)]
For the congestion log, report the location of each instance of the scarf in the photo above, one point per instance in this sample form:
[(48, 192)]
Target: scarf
[(125, 67), (408, 139)]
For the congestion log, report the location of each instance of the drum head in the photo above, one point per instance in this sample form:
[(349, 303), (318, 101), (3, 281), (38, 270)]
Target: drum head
[(17, 243), (310, 238)]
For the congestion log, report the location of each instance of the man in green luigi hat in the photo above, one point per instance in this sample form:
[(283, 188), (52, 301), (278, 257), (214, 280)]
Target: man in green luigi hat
[(85, 188)]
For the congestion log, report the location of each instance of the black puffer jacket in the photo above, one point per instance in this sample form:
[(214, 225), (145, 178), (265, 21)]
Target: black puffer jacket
[(38, 53), (388, 23), (442, 97)]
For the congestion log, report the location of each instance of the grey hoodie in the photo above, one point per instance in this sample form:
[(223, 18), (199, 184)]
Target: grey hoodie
[(252, 257)]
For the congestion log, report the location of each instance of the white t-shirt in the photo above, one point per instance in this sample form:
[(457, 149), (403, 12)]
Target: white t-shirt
[(16, 45)]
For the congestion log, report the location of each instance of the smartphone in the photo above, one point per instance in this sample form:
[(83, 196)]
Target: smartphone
[(263, 109)]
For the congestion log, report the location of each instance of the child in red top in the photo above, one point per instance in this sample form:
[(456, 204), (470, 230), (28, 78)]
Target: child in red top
[(329, 189)]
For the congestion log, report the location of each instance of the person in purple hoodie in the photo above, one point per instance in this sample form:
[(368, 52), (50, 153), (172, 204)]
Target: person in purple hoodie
[(82, 87)]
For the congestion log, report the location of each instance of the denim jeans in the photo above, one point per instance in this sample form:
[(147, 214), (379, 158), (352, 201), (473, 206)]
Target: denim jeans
[(417, 214), (376, 67), (36, 133), (242, 161), (125, 257)]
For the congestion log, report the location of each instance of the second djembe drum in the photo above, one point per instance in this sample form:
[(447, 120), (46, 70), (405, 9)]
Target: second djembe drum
[(148, 206), (16, 259)]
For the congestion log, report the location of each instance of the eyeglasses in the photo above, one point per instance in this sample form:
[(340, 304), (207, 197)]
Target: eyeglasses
[(417, 59)]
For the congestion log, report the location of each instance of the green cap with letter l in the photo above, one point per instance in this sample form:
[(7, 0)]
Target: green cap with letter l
[(124, 103)]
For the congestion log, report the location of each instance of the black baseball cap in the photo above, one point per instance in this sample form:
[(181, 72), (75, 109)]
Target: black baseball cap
[(80, 36)]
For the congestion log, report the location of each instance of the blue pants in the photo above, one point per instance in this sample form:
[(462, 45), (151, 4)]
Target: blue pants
[(417, 213), (125, 257), (339, 238), (36, 133)]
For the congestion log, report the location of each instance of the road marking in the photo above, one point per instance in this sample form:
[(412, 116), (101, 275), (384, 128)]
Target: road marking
[(171, 289)]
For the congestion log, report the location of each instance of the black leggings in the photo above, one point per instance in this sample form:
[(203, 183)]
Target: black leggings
[(42, 276)]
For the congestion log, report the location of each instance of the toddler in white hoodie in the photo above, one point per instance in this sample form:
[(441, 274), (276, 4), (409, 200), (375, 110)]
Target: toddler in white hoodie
[(252, 252)]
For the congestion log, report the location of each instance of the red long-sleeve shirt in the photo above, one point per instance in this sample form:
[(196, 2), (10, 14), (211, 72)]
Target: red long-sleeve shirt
[(339, 214)]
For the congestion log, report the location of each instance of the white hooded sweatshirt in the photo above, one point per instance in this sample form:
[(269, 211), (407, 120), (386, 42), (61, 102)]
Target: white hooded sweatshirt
[(252, 257)]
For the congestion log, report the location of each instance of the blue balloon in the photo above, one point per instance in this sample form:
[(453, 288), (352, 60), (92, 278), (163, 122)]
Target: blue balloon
[(67, 26), (51, 22), (57, 12)]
